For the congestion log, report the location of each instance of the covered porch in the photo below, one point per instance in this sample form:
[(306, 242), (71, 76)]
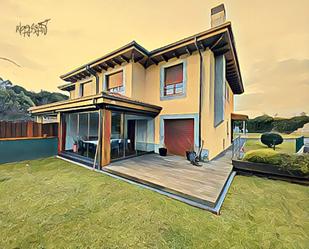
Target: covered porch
[(99, 129)]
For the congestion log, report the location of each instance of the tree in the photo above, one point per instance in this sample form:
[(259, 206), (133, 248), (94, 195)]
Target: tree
[(271, 139)]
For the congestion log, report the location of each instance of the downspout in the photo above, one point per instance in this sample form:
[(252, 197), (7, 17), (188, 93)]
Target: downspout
[(97, 156), (95, 74), (200, 95)]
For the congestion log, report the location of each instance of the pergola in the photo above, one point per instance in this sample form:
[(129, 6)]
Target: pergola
[(239, 117)]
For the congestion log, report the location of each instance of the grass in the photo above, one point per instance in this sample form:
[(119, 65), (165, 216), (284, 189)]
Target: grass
[(288, 146), (54, 204)]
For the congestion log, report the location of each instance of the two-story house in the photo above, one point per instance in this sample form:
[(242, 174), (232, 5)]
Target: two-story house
[(134, 101)]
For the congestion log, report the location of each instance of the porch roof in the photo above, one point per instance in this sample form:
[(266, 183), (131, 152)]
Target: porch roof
[(102, 100)]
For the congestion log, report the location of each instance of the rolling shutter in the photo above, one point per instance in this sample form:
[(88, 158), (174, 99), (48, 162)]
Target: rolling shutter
[(115, 80), (173, 74), (179, 136)]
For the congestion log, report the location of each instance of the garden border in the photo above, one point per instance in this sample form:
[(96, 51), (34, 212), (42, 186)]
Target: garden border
[(266, 170)]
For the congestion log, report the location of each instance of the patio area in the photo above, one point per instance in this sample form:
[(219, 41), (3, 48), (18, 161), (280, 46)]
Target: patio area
[(175, 175)]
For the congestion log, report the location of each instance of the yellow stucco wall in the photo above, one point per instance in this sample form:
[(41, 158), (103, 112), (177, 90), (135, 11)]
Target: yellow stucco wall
[(185, 105), (216, 139), (144, 85)]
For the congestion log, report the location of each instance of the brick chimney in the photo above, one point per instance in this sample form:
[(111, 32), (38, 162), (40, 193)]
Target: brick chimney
[(218, 15)]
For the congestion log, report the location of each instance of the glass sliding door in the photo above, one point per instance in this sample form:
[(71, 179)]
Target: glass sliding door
[(131, 134), (71, 122), (117, 138), (93, 133), (82, 133)]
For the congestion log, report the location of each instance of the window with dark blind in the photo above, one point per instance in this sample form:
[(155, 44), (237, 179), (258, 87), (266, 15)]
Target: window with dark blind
[(114, 82), (173, 80)]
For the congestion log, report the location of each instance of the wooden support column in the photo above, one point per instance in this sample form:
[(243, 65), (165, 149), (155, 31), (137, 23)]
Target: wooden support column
[(61, 132), (106, 137)]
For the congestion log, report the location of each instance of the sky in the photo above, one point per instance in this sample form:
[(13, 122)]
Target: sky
[(272, 41)]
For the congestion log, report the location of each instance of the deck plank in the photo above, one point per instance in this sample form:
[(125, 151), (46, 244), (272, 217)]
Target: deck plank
[(175, 174)]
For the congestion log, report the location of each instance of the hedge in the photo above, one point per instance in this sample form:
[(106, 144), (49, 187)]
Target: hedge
[(266, 123), (284, 161)]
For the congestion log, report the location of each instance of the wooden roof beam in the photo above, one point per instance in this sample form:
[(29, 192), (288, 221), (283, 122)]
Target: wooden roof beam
[(114, 60), (164, 57), (109, 64), (176, 54), (216, 42), (188, 50), (125, 59), (154, 61)]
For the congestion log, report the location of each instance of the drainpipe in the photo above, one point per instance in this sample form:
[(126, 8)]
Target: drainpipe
[(200, 95), (94, 73)]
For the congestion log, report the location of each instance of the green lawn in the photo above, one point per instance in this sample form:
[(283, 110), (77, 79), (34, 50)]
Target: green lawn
[(288, 146), (55, 204)]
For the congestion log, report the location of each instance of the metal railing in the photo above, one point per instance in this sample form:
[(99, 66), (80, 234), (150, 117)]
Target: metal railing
[(237, 145)]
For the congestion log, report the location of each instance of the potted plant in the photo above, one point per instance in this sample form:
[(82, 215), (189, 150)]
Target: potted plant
[(163, 151), (75, 146)]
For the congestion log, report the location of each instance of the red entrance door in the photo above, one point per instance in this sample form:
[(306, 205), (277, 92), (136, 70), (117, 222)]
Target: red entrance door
[(179, 135)]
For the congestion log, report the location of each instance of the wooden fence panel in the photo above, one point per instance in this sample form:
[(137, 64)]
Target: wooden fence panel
[(2, 129), (17, 127), (9, 129), (24, 129), (14, 130)]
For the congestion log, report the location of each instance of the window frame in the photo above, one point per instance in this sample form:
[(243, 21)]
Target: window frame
[(114, 71), (81, 89), (184, 81), (227, 92)]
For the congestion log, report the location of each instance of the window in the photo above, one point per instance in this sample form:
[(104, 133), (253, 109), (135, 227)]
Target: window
[(81, 91), (85, 89), (219, 90), (82, 133), (114, 82), (173, 80)]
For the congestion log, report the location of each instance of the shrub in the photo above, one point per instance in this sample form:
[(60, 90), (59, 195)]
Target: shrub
[(271, 139), (293, 163)]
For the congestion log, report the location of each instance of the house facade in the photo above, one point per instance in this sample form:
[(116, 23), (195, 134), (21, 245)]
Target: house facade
[(134, 101)]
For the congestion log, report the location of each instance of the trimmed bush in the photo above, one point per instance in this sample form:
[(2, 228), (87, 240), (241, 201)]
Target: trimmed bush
[(271, 139), (294, 163)]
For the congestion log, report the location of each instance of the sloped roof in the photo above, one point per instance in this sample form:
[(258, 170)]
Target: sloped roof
[(219, 39)]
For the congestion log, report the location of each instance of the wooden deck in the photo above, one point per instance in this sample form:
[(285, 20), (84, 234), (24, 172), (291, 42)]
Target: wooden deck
[(175, 175)]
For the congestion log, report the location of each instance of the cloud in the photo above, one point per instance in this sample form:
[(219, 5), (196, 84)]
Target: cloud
[(277, 87)]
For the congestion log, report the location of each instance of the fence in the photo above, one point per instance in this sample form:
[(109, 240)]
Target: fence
[(19, 149), (10, 129), (300, 142)]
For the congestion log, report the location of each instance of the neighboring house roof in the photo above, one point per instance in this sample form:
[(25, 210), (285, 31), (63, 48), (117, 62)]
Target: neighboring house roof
[(239, 117), (219, 39)]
